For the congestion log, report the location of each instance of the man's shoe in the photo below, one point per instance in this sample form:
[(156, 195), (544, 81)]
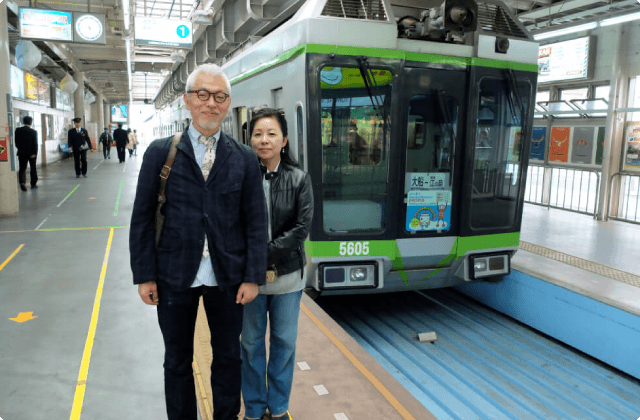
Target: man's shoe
[(33, 187), (285, 416), (77, 176), (84, 175), (23, 187)]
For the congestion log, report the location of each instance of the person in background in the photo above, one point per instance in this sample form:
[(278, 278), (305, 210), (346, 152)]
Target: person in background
[(78, 140), (290, 206), (135, 142), (213, 245), (106, 139), (130, 138), (26, 139), (121, 139)]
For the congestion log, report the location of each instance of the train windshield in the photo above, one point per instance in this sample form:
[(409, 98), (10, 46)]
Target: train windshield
[(503, 105), (355, 145)]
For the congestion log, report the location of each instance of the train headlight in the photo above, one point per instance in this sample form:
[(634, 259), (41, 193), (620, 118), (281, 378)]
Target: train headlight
[(345, 275), (489, 265), (358, 274)]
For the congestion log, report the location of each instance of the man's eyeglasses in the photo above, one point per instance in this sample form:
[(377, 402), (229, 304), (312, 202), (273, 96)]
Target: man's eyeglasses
[(203, 95)]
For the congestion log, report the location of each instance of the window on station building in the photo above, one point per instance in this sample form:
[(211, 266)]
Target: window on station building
[(541, 96), (601, 92), (634, 98)]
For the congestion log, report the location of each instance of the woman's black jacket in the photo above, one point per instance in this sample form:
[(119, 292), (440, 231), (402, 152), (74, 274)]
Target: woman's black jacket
[(291, 214)]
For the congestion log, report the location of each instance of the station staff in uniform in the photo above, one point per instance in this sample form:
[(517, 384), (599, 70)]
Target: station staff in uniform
[(27, 145), (213, 245), (78, 140)]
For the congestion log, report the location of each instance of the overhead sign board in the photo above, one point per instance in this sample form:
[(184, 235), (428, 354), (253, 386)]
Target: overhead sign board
[(89, 28), (119, 113), (52, 25), (568, 60), (163, 32)]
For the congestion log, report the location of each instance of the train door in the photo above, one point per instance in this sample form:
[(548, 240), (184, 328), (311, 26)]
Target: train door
[(497, 151), (433, 102)]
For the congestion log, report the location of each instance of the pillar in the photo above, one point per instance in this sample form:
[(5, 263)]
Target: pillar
[(102, 122), (78, 97), (8, 178)]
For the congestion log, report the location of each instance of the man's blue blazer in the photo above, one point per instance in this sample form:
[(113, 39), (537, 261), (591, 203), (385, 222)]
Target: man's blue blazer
[(230, 207)]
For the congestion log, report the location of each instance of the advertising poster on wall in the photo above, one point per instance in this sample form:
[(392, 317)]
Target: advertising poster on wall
[(538, 143), (17, 82), (44, 93), (632, 145), (600, 144), (31, 87), (559, 144), (515, 138), (428, 210), (582, 145)]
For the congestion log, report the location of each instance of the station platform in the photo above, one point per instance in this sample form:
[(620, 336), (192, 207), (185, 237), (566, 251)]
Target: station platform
[(78, 342)]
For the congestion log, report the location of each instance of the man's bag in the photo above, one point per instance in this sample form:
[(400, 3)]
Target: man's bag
[(164, 175)]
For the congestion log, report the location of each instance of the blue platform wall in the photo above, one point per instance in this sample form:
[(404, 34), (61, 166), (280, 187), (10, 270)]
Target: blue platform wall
[(602, 331)]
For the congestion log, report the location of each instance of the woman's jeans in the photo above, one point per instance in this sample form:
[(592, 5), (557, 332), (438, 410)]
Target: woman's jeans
[(177, 317), (273, 392)]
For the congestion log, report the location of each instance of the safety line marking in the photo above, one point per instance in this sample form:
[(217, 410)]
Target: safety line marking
[(69, 195), (98, 165), (11, 256), (203, 393), (81, 385), (358, 364), (124, 168), (82, 228), (115, 212), (42, 223)]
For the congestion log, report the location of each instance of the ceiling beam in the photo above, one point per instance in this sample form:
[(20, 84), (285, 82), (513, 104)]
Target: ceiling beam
[(563, 6)]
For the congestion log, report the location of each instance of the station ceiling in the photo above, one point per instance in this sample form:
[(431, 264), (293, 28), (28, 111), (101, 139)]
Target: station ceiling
[(105, 66)]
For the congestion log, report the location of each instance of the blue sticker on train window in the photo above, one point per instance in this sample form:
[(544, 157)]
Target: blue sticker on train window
[(428, 210)]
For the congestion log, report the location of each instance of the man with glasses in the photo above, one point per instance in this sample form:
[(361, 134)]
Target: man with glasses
[(213, 244)]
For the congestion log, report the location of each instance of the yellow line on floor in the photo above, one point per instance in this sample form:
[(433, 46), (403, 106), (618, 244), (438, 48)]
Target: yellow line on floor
[(11, 256), (353, 359), (78, 399), (203, 393)]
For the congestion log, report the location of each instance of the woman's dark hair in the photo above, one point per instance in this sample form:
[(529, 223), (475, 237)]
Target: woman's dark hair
[(285, 155)]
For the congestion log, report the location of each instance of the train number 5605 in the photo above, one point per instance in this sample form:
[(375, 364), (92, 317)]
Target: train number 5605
[(354, 248)]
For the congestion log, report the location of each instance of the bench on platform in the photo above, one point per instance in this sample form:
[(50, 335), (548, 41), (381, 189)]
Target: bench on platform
[(64, 148)]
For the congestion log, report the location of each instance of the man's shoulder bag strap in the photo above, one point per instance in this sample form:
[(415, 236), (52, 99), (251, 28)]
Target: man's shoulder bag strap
[(164, 176)]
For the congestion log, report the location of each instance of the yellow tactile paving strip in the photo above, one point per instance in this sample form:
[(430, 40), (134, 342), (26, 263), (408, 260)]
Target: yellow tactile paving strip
[(602, 270)]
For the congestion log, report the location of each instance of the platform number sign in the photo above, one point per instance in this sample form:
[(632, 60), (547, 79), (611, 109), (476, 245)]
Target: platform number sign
[(182, 31)]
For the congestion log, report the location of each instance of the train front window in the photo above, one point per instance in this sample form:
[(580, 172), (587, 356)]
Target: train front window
[(498, 151), (355, 146), (431, 131)]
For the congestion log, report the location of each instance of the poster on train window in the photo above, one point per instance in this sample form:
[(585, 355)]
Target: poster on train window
[(632, 148), (600, 144), (515, 138), (582, 145), (428, 210), (538, 143), (559, 144)]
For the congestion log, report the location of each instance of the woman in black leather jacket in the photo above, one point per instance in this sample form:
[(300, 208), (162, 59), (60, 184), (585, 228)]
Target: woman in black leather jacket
[(290, 208)]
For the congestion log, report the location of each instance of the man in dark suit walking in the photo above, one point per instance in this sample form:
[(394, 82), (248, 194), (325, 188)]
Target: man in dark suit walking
[(27, 145), (78, 140), (121, 137), (213, 245)]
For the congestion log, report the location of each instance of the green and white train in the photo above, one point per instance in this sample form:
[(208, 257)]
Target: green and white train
[(414, 123)]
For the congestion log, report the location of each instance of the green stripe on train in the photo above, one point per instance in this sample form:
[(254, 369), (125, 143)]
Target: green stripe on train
[(389, 248), (386, 53)]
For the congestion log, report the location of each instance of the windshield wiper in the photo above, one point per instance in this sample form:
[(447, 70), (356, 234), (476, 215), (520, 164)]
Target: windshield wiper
[(369, 81), (448, 122)]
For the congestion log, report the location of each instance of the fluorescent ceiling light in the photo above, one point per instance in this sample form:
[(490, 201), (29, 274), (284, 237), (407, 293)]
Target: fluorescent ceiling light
[(620, 19), (566, 31)]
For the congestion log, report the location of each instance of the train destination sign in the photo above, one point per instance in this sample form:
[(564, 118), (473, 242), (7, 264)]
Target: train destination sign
[(163, 32)]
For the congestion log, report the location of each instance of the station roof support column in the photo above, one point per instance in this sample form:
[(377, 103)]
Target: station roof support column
[(8, 181), (78, 97)]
